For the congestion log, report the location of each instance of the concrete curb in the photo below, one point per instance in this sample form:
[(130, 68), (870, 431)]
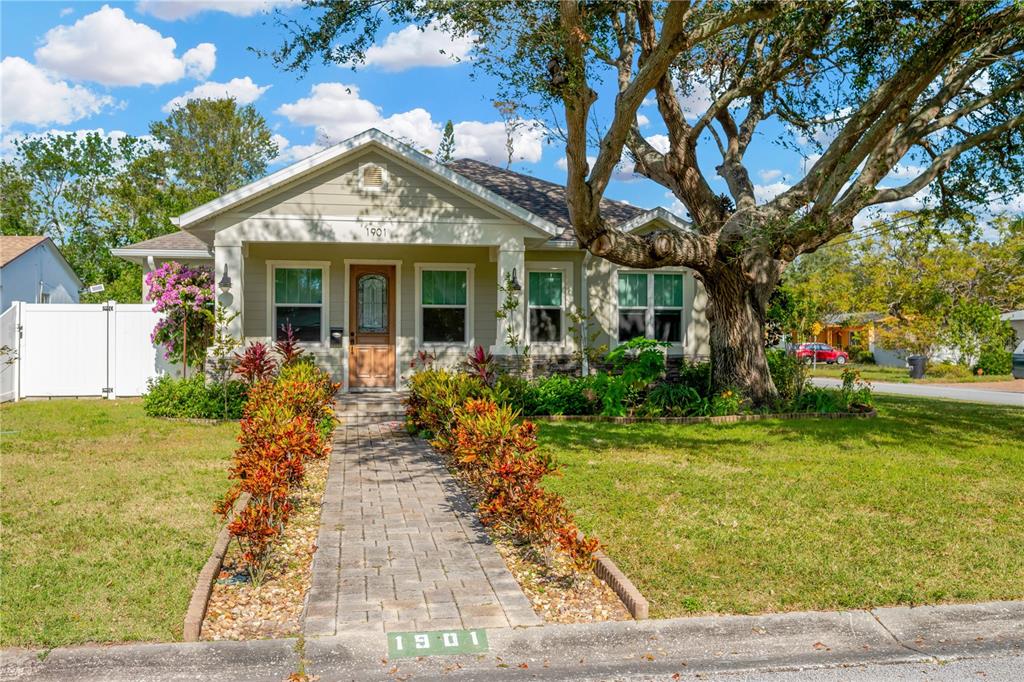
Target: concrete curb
[(651, 649), (725, 419), (204, 583), (606, 570)]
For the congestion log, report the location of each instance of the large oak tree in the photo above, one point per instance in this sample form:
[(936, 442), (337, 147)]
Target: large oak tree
[(935, 85)]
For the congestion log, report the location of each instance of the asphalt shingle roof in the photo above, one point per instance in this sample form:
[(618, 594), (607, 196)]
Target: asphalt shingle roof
[(12, 246), (175, 241), (540, 197)]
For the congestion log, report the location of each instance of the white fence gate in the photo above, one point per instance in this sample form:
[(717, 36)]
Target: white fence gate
[(82, 349)]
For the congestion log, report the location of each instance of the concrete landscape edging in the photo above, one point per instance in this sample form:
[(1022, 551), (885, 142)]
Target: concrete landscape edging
[(724, 419), (204, 583)]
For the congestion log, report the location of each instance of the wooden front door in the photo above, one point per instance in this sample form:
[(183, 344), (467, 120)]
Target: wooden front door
[(371, 324)]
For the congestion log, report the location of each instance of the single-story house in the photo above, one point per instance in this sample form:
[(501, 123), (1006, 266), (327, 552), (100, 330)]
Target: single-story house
[(1016, 320), (373, 251), (33, 270)]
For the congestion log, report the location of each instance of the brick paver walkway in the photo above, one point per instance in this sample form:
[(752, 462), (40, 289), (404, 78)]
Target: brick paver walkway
[(400, 548)]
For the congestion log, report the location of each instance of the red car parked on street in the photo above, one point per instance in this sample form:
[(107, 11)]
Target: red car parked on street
[(821, 352)]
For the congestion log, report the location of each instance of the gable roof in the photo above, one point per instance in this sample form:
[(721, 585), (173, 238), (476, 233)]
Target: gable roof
[(15, 245), (370, 137), (541, 197), (537, 202), (178, 244)]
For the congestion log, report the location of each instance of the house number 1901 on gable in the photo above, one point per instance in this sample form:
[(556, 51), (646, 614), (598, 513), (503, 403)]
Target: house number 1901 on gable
[(376, 231), (436, 643)]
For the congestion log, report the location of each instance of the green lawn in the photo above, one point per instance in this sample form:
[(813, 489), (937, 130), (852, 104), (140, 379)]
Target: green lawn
[(901, 375), (106, 519), (924, 504)]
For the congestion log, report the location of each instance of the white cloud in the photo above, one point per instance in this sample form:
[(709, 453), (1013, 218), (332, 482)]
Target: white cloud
[(907, 171), (200, 61), (642, 120), (173, 10), (659, 142), (66, 11), (107, 47), (765, 193), (410, 47), (768, 175), (486, 141), (696, 101), (243, 90), (32, 96), (338, 112)]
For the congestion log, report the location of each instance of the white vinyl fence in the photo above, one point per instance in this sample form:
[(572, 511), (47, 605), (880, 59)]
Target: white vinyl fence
[(83, 349)]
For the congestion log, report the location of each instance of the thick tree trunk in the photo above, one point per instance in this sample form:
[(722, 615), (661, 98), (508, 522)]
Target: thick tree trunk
[(736, 315)]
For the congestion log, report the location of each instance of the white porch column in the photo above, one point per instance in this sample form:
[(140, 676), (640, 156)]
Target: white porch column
[(511, 257), (230, 257)]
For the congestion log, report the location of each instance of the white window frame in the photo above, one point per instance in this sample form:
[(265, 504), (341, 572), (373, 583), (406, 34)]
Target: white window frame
[(650, 308), (325, 276), (470, 339), (383, 175), (566, 270)]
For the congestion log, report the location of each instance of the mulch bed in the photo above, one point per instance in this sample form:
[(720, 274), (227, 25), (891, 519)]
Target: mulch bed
[(557, 591), (236, 609)]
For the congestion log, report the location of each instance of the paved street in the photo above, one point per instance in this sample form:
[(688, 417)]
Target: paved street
[(400, 547), (975, 393)]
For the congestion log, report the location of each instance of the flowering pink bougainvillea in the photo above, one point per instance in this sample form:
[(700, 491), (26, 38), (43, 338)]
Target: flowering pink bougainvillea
[(185, 297)]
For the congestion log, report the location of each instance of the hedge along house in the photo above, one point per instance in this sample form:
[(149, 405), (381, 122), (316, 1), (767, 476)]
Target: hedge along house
[(372, 251)]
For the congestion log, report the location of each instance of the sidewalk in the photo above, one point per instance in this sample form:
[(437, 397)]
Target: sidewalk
[(975, 394), (691, 647)]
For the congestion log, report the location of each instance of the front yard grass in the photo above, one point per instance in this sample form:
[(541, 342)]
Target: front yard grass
[(107, 520), (923, 504), (900, 375)]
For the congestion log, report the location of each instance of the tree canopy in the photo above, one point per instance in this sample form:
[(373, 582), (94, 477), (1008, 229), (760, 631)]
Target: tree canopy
[(91, 192), (935, 86)]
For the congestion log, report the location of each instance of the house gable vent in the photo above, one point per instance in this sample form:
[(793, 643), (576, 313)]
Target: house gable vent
[(372, 177)]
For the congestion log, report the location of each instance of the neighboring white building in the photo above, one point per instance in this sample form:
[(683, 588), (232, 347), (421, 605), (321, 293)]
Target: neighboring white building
[(1016, 320), (373, 252), (33, 270)]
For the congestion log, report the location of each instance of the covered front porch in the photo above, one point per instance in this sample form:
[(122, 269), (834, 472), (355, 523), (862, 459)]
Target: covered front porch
[(366, 310)]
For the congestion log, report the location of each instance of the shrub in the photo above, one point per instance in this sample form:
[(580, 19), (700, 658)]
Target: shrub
[(788, 374), (520, 393), (480, 364), (434, 396), (194, 398), (560, 394), (994, 361), (286, 422), (947, 370), (696, 375), (288, 348), (255, 363), (673, 400), (499, 455)]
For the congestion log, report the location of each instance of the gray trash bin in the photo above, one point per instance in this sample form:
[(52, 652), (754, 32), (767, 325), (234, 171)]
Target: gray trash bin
[(916, 363)]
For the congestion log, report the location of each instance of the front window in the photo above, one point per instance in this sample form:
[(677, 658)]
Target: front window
[(444, 306), (298, 301), (651, 306), (545, 302)]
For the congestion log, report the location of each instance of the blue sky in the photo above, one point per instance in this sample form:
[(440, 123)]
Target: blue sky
[(118, 66)]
